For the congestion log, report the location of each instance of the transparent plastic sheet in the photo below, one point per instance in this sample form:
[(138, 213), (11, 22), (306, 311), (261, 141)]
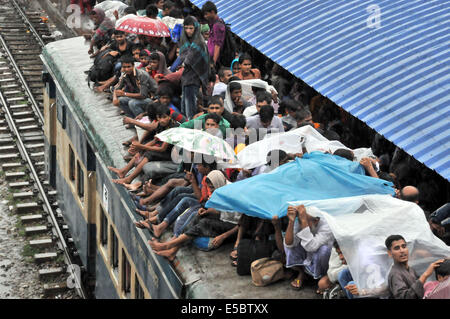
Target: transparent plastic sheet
[(361, 225), (110, 6), (255, 154), (247, 93)]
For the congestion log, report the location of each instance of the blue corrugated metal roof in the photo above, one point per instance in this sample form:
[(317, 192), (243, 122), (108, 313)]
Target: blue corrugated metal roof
[(395, 77)]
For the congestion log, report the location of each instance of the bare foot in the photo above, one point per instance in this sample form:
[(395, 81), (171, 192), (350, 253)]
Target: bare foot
[(153, 220), (153, 213), (142, 224), (170, 254), (119, 181), (156, 245), (158, 230), (133, 187), (143, 213), (119, 172)]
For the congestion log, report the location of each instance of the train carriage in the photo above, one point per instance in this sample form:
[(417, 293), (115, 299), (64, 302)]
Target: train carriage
[(83, 136)]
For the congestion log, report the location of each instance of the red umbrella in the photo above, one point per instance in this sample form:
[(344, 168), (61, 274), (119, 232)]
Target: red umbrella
[(145, 26)]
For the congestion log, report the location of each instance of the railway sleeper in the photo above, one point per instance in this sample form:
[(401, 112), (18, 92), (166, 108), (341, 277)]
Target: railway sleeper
[(31, 218), (28, 207), (42, 243), (35, 230), (53, 289), (9, 176), (9, 157), (25, 120), (9, 166), (51, 272), (7, 149), (19, 184), (44, 257), (22, 114), (6, 140), (23, 195)]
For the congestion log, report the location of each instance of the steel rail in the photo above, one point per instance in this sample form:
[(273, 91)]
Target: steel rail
[(30, 25), (25, 86), (27, 158), (22, 149)]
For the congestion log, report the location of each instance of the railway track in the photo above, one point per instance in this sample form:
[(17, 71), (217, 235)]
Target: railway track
[(22, 150)]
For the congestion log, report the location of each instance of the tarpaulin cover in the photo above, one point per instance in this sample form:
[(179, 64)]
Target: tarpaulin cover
[(316, 176), (361, 225)]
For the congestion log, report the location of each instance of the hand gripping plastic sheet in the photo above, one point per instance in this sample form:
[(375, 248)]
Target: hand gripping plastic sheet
[(316, 176), (361, 224)]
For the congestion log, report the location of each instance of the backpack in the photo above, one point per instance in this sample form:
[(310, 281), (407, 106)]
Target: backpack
[(266, 271), (103, 67), (250, 250), (229, 48)]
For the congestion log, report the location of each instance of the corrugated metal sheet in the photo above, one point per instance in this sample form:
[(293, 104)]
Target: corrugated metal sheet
[(395, 77)]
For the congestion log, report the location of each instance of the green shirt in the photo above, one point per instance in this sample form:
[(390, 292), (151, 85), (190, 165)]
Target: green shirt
[(223, 124)]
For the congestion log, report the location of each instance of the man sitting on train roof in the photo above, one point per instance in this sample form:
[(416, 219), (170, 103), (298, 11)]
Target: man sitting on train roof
[(155, 150), (118, 46), (102, 31), (178, 199), (134, 88), (215, 105)]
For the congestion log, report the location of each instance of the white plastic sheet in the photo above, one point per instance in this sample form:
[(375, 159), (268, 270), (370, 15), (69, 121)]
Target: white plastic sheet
[(247, 92), (361, 225), (109, 6), (255, 154)]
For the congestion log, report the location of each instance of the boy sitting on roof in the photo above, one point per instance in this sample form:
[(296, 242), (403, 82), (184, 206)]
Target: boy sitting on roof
[(215, 106), (178, 200), (204, 223), (152, 151), (132, 91)]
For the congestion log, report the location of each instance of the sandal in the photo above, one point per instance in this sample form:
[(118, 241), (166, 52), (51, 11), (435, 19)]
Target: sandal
[(231, 254), (234, 263), (298, 286)]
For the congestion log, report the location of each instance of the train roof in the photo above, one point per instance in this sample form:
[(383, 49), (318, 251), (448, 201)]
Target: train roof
[(205, 274)]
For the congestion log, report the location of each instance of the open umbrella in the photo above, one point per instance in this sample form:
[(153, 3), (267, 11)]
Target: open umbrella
[(198, 142), (145, 26)]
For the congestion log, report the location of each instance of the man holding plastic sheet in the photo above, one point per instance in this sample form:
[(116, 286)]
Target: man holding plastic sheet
[(403, 281), (307, 245)]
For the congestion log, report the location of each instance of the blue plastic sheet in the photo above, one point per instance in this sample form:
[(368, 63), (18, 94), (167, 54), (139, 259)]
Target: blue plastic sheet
[(314, 177)]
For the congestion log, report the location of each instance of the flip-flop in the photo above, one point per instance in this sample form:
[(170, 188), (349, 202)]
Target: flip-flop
[(299, 283), (231, 257), (234, 263)]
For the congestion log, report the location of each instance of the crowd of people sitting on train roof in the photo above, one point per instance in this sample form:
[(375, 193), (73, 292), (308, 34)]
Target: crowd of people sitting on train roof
[(192, 80)]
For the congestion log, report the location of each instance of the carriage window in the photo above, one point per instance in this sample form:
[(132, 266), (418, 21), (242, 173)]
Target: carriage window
[(114, 249), (71, 164), (103, 227), (138, 291), (126, 273), (80, 181)]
